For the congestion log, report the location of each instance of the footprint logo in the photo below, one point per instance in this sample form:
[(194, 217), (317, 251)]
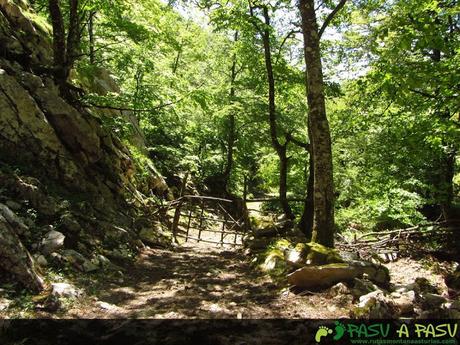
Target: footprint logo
[(339, 330), (322, 331)]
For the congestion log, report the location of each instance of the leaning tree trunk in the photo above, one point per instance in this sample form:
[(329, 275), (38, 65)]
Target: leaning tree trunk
[(320, 138)]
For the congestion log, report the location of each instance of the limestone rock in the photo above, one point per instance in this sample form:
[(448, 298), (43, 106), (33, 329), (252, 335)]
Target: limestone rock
[(362, 287), (257, 244), (155, 235), (404, 302), (339, 289), (431, 301), (106, 306), (13, 205), (103, 261), (115, 233), (453, 280), (322, 276), (16, 223), (15, 259), (316, 254), (327, 275), (375, 305), (74, 258), (376, 273), (53, 241), (70, 224), (30, 189), (64, 290), (119, 253), (274, 263), (89, 266), (423, 285), (293, 257), (41, 261), (4, 303), (455, 305)]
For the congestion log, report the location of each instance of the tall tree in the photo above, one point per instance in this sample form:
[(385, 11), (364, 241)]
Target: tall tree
[(320, 137), (65, 52), (231, 122), (280, 148)]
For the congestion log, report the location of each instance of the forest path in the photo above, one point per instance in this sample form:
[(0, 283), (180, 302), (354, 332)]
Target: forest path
[(200, 282)]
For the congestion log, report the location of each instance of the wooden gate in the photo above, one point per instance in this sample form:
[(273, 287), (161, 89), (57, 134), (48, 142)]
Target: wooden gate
[(209, 220)]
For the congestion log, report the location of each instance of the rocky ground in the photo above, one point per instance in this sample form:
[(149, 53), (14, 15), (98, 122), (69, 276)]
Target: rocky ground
[(208, 282)]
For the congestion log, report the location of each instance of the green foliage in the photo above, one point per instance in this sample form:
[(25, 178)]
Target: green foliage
[(391, 71)]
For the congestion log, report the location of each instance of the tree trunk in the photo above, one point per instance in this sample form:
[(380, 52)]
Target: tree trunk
[(73, 36), (446, 182), (280, 149), (59, 46), (306, 220), (320, 138), (231, 124), (284, 167), (92, 56)]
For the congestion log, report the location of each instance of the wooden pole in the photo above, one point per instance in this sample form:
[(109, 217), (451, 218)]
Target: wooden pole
[(176, 221), (179, 205), (201, 220), (223, 229), (245, 190), (188, 224)]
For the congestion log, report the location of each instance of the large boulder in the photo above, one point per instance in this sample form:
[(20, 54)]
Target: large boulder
[(322, 276), (328, 275)]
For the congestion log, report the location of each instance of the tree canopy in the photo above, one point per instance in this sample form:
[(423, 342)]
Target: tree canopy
[(219, 89)]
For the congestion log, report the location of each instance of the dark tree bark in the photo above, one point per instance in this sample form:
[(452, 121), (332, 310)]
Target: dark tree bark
[(92, 56), (320, 138), (281, 149), (306, 220), (445, 184), (59, 46), (231, 124), (64, 53), (73, 36)]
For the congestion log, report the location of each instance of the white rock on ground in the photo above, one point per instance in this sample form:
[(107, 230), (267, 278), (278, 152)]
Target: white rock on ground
[(64, 290), (53, 241)]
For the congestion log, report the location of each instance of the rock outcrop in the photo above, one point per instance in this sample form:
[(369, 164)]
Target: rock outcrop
[(67, 176)]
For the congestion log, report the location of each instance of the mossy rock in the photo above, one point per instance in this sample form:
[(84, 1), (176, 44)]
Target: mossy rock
[(316, 254), (274, 263), (273, 259)]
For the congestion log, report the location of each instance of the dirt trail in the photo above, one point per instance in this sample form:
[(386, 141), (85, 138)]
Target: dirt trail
[(201, 282)]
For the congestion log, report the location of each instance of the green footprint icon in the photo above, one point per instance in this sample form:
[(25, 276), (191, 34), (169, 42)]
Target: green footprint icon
[(322, 332), (339, 330)]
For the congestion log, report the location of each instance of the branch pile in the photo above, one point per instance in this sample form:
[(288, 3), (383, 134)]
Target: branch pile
[(423, 238)]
